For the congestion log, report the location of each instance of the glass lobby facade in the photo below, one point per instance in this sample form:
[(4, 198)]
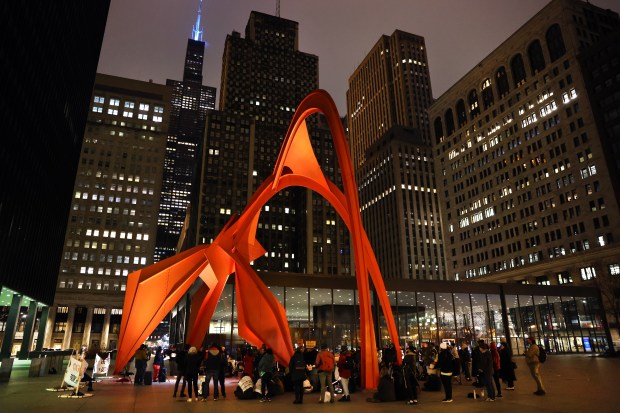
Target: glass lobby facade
[(565, 319)]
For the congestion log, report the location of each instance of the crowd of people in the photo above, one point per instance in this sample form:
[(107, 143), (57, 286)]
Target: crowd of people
[(430, 368)]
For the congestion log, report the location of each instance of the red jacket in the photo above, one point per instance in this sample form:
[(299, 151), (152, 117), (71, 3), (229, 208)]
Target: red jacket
[(495, 354), (342, 370)]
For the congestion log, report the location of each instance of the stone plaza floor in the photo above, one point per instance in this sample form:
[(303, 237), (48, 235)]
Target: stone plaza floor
[(574, 383)]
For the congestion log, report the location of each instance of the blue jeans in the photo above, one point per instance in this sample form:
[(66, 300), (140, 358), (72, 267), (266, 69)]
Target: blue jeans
[(488, 382), (209, 374)]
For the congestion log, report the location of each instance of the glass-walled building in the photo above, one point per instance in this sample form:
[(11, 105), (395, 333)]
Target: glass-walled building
[(565, 319)]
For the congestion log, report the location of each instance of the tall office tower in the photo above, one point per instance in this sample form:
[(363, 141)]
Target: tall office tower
[(526, 187), (43, 112), (389, 131), (190, 102), (400, 207), (113, 214), (264, 77), (392, 86)]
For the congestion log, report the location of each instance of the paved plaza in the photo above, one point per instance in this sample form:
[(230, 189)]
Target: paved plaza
[(575, 383)]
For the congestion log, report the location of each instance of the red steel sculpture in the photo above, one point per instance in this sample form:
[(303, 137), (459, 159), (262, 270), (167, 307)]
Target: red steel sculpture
[(153, 291)]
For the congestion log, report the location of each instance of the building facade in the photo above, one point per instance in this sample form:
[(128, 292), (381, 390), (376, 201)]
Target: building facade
[(114, 210), (392, 86), (565, 319), (43, 112), (190, 102), (264, 77), (400, 206), (527, 190), (389, 136)]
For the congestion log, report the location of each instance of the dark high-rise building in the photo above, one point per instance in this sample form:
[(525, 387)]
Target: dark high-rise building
[(264, 78), (48, 72), (392, 86), (522, 146), (389, 131), (190, 102)]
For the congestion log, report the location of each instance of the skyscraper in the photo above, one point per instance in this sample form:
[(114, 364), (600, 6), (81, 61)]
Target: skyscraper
[(113, 214), (264, 78), (526, 185), (190, 102), (387, 100), (48, 72), (392, 86)]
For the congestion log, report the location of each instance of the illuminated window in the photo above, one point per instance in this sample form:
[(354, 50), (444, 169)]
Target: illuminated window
[(129, 104), (588, 273), (99, 99), (115, 102), (144, 106)]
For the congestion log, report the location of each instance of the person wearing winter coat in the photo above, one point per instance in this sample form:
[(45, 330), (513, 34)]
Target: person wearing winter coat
[(409, 368), (265, 371), (248, 363), (221, 376), (325, 364), (192, 366), (158, 363), (181, 361), (533, 363), (297, 369), (485, 367), (445, 363), (345, 368), (496, 368), (212, 365), (465, 359), (506, 366), (140, 359)]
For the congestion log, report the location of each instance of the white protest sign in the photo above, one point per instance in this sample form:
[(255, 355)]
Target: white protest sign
[(101, 365), (73, 374)]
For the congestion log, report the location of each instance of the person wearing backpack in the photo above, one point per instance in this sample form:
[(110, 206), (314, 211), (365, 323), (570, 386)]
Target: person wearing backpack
[(297, 368), (325, 365), (345, 368), (533, 363)]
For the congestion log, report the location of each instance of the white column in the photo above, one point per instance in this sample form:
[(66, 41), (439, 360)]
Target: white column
[(66, 341)]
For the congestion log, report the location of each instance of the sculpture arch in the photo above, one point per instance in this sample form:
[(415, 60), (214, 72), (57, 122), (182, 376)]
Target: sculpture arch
[(154, 290)]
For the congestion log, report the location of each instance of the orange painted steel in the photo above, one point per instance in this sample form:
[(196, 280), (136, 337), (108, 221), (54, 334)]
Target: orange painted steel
[(154, 290)]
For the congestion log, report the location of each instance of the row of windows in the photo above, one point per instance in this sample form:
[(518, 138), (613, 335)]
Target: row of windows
[(556, 49)]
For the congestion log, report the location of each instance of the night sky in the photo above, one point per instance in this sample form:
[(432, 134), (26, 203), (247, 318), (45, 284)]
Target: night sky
[(146, 39)]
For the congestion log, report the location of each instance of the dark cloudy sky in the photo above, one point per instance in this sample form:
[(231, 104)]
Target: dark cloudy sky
[(146, 39)]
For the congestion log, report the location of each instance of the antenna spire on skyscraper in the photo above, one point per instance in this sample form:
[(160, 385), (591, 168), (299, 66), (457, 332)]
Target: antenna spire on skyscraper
[(197, 30)]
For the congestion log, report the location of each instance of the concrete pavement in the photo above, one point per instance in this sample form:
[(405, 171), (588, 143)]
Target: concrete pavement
[(574, 383)]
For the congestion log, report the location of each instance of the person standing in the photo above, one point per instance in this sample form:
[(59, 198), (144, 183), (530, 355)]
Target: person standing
[(265, 371), (409, 369), (325, 364), (140, 359), (181, 362), (297, 368), (506, 365), (465, 359), (485, 366), (192, 366), (158, 363), (248, 362), (345, 368), (533, 363), (222, 372), (445, 363), (496, 368), (212, 364)]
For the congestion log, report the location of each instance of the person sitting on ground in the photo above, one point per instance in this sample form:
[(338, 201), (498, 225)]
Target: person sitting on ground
[(385, 389)]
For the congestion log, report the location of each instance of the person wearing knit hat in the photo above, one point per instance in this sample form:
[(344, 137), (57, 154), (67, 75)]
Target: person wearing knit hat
[(446, 367)]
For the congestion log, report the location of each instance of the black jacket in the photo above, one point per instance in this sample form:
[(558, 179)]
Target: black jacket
[(213, 360)]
